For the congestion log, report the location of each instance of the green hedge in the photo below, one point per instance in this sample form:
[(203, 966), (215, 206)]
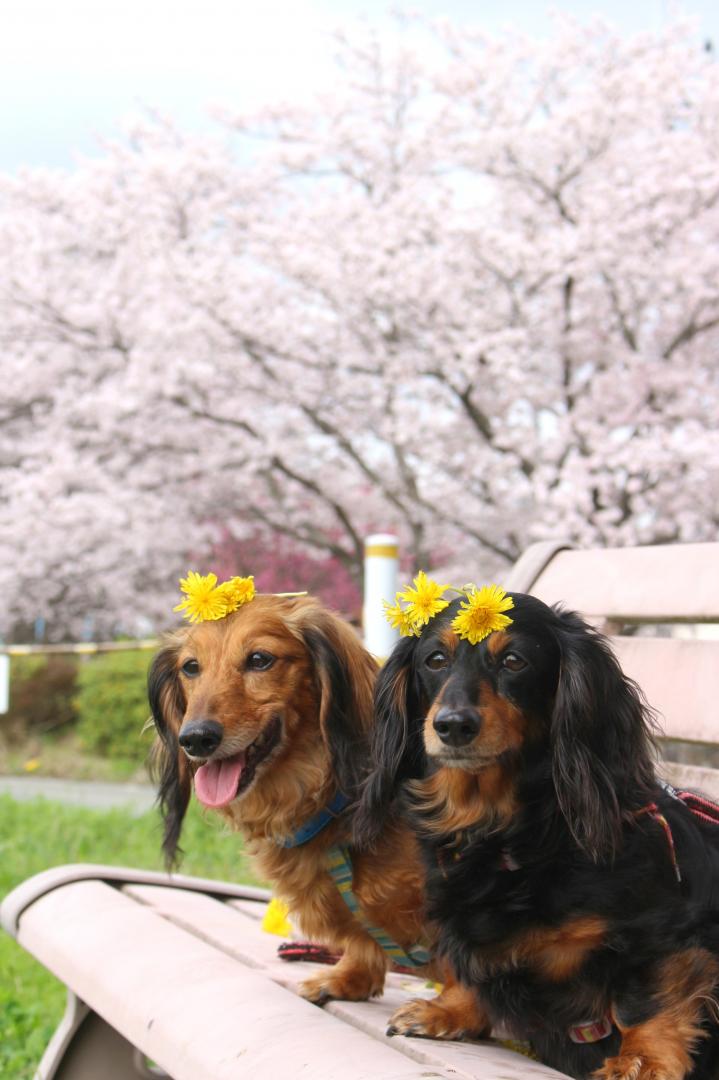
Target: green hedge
[(87, 704), (41, 695), (111, 705)]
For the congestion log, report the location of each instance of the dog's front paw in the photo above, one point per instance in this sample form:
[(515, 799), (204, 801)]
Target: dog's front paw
[(427, 1020), (633, 1066), (350, 984), (456, 1013)]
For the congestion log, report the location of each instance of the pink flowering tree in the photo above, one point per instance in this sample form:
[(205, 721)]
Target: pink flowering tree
[(472, 296)]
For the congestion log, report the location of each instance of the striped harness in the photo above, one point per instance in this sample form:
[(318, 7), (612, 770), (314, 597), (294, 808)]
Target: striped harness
[(340, 868)]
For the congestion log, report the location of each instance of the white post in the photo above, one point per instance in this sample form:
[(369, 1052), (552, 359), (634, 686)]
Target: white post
[(381, 552), (4, 682)]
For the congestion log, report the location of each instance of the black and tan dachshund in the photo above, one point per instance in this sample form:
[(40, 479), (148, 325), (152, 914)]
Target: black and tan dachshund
[(576, 893)]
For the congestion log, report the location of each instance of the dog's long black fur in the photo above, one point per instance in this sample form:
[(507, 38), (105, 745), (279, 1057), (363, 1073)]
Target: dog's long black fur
[(569, 886)]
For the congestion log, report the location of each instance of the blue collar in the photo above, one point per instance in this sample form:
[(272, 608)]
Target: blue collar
[(317, 823)]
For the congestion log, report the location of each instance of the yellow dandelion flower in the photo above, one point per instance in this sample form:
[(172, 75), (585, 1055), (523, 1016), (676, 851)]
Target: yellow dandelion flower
[(424, 601), (203, 599), (237, 591), (481, 613), (398, 618)]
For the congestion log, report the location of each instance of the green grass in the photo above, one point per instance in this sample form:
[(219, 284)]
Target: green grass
[(40, 834)]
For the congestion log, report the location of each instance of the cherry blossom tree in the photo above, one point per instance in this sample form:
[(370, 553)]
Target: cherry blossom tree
[(471, 295)]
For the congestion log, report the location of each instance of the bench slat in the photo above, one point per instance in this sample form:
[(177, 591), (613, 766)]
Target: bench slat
[(216, 923), (663, 583), (679, 680)]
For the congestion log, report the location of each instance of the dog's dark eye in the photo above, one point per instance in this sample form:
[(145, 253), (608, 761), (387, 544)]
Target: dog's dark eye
[(259, 661), (436, 661), (191, 668), (513, 662)]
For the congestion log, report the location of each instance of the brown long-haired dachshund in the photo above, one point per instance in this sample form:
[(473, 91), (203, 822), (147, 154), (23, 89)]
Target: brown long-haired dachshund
[(267, 713), (575, 892)]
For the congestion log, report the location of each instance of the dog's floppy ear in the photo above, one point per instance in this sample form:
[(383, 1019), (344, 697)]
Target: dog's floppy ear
[(345, 673), (397, 750), (602, 743), (168, 764)]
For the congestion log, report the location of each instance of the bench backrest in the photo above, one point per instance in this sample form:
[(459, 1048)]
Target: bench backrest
[(622, 589)]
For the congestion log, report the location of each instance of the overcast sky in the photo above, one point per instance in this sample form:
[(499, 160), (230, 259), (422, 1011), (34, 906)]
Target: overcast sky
[(71, 70)]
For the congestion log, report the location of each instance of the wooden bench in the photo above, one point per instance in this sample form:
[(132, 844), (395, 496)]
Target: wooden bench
[(175, 977)]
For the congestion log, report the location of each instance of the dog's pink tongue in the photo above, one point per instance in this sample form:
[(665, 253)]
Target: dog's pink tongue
[(216, 782)]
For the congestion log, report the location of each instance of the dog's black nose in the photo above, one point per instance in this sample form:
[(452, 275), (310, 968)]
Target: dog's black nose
[(200, 738), (456, 727)]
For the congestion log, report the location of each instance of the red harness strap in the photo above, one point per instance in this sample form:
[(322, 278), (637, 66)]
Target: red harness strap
[(699, 806)]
